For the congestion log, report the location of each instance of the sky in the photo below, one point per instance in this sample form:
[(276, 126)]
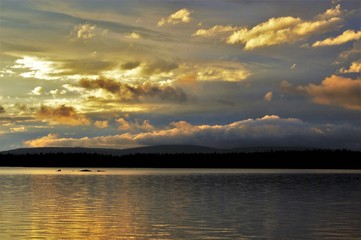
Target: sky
[(225, 74)]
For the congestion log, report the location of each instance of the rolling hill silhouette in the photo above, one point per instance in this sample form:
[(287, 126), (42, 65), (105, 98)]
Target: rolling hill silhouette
[(158, 149)]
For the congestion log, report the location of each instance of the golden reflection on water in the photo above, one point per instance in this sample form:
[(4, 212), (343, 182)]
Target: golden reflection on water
[(78, 212), (154, 204), (73, 208)]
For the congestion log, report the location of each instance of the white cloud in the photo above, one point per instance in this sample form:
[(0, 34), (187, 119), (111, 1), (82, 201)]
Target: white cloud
[(181, 16), (37, 91), (345, 37), (34, 67)]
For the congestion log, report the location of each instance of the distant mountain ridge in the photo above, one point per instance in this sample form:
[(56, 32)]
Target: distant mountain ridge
[(148, 149)]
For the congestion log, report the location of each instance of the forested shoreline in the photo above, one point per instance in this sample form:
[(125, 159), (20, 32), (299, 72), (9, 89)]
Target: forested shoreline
[(306, 159)]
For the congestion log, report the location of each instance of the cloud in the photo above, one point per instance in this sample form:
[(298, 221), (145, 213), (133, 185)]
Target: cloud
[(37, 91), (53, 140), (158, 66), (18, 129), (56, 92), (34, 67), (268, 97), (130, 65), (62, 115), (133, 35), (334, 90), (84, 31), (215, 30), (331, 13), (354, 68), (181, 16), (48, 69), (135, 126), (135, 70), (136, 92), (2, 109), (84, 66), (217, 71), (288, 29), (123, 124), (270, 130), (345, 37), (356, 49), (101, 124)]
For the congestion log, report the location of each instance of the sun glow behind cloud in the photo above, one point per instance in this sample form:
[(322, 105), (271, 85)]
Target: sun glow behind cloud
[(139, 74), (34, 67)]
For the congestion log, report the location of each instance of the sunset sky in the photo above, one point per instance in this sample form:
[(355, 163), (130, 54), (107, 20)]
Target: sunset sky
[(119, 74)]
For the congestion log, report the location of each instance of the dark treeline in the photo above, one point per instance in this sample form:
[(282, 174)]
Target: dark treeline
[(308, 159)]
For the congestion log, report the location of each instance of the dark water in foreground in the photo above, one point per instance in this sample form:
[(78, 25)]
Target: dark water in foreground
[(179, 204)]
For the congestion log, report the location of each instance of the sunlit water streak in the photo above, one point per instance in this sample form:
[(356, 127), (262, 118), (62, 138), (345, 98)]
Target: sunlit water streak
[(179, 204)]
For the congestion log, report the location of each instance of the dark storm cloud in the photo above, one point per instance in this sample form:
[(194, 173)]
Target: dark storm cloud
[(63, 115), (127, 92)]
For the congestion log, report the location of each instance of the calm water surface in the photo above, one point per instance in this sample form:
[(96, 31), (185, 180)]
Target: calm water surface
[(179, 204)]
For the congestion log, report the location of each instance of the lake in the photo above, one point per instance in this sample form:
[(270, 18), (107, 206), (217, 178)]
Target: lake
[(42, 203)]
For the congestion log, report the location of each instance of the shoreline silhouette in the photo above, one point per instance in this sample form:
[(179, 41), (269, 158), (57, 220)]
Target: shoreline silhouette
[(283, 159)]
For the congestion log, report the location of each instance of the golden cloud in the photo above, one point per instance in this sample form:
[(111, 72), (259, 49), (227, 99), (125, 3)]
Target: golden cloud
[(123, 124), (101, 124), (53, 140), (181, 16), (134, 126), (268, 96), (216, 71), (62, 115), (84, 31), (215, 30), (354, 68), (282, 131), (345, 37), (133, 35), (284, 30), (334, 90)]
